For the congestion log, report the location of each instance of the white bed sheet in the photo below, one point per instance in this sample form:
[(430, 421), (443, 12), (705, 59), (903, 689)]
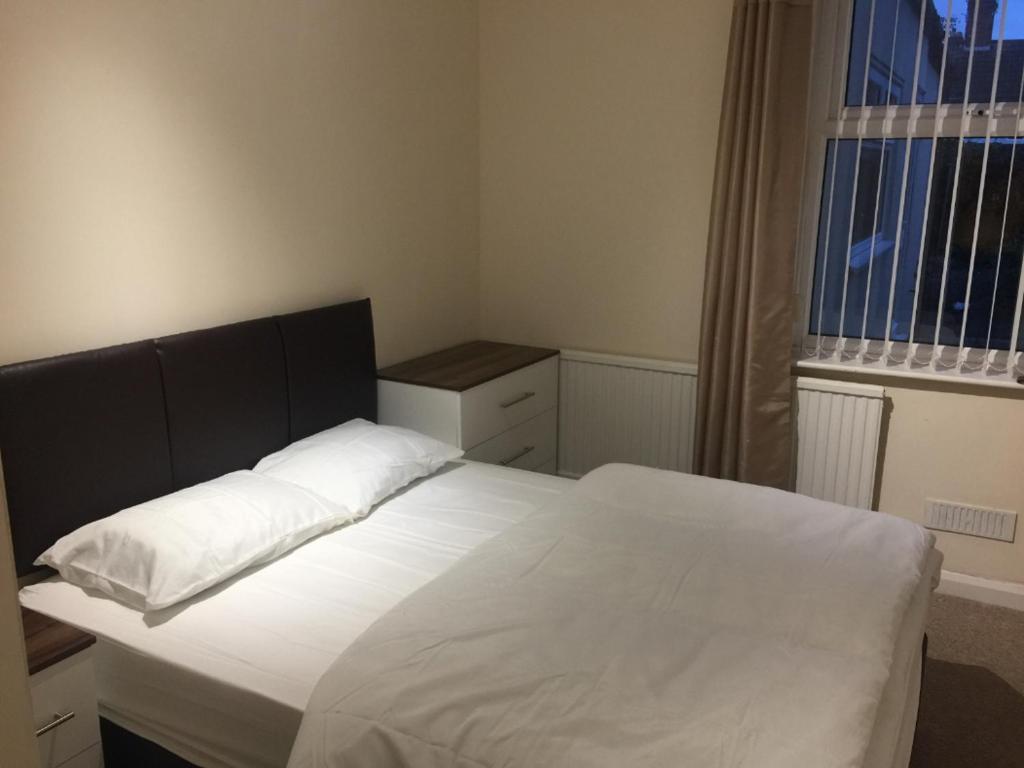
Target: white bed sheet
[(222, 680)]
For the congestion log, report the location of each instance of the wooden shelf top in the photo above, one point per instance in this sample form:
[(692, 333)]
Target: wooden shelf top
[(465, 366), (48, 641)]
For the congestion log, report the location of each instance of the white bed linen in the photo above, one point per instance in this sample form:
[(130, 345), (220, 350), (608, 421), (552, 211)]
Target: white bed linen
[(643, 618), (222, 679)]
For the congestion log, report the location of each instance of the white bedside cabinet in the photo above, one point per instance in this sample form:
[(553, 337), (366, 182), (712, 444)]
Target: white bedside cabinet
[(63, 690), (498, 402)]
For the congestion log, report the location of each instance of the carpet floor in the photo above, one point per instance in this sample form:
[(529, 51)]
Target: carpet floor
[(972, 701)]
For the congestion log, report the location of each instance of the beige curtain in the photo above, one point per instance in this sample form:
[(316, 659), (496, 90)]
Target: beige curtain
[(744, 421)]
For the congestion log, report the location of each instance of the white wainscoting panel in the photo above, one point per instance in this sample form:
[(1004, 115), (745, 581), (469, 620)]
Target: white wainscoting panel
[(624, 409), (628, 409), (838, 427)]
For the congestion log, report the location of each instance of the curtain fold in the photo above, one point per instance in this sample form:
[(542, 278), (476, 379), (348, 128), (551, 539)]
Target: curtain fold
[(744, 391)]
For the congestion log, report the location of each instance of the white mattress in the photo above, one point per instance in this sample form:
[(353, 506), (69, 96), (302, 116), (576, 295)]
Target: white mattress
[(893, 735), (223, 679)]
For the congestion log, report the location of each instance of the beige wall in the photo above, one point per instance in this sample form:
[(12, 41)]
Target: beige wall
[(598, 127), (174, 165), (964, 445)]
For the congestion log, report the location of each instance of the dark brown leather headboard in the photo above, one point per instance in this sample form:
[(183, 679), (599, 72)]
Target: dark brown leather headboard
[(85, 435)]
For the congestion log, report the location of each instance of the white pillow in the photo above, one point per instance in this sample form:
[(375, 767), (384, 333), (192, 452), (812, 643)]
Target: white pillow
[(158, 553), (358, 463)]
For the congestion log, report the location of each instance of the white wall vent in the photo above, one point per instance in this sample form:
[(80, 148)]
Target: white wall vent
[(973, 521)]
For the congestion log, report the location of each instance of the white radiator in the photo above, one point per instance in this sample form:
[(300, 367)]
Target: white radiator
[(838, 426), (624, 409), (628, 409)]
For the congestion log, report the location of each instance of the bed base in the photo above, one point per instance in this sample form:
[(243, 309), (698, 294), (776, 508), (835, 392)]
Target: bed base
[(124, 749)]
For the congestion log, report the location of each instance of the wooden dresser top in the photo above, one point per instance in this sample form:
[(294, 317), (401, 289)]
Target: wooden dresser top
[(465, 366), (48, 641)]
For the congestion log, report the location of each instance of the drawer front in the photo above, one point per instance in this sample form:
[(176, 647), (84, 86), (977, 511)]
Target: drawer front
[(498, 405), (68, 686), (548, 468), (529, 445), (91, 758)]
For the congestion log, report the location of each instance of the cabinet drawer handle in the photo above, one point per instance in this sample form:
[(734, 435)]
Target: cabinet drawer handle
[(518, 400), (58, 719), (527, 450)]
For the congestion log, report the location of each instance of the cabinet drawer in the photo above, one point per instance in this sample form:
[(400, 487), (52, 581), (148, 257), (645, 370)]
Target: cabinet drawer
[(498, 405), (548, 468), (68, 686), (91, 758), (526, 446)]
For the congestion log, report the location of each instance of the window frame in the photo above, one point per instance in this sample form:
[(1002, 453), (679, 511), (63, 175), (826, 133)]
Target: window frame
[(829, 118)]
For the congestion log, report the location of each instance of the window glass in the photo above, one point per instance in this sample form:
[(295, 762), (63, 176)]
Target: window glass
[(860, 241), (994, 276), (899, 40)]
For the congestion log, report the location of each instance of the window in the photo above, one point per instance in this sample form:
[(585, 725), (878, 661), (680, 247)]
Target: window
[(915, 212)]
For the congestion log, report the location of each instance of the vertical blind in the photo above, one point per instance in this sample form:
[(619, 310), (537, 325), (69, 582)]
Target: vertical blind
[(920, 236)]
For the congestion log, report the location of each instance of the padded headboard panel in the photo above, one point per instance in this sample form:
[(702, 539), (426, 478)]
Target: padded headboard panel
[(227, 398), (82, 436), (85, 435), (327, 352)]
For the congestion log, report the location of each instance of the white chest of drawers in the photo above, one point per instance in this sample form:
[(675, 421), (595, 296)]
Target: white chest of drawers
[(63, 690), (498, 402)]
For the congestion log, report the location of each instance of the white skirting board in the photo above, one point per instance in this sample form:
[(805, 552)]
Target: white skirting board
[(1002, 593), (627, 409)]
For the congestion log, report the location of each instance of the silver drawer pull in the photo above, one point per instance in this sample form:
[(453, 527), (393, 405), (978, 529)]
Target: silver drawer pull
[(528, 449), (518, 400), (58, 719)]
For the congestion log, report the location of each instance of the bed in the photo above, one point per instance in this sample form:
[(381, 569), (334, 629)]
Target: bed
[(225, 678)]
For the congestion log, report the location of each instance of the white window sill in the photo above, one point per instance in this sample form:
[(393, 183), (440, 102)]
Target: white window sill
[(882, 369)]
